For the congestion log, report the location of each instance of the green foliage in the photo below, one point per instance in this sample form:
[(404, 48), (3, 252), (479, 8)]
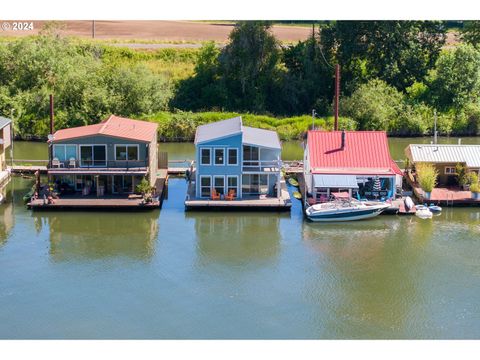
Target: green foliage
[(456, 79), (474, 183), (427, 176), (143, 187), (462, 175), (470, 33), (374, 106)]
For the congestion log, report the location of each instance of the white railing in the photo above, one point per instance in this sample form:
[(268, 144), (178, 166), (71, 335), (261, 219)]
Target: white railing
[(262, 165)]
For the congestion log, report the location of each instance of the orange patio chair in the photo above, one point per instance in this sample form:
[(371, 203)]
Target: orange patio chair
[(231, 195), (215, 195)]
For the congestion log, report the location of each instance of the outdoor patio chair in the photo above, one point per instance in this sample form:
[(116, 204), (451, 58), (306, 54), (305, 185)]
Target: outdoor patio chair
[(71, 162), (56, 163), (231, 195), (215, 195)]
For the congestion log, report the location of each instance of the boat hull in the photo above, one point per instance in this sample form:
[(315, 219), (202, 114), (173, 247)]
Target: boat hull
[(346, 215)]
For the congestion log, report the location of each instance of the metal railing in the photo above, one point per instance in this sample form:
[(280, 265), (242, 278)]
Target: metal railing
[(75, 164), (262, 165)]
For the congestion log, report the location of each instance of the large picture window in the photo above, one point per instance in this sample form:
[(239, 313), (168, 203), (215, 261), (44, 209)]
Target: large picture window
[(205, 186), (255, 184), (93, 155), (205, 156), (232, 157), (219, 156), (126, 152), (64, 152)]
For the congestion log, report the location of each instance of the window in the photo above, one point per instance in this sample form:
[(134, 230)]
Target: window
[(250, 153), (232, 157), (450, 170), (255, 184), (126, 152), (64, 152), (205, 156), (205, 184), (219, 156), (219, 184), (93, 155), (232, 184)]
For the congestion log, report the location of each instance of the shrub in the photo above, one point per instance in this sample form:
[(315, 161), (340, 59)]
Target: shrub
[(427, 176)]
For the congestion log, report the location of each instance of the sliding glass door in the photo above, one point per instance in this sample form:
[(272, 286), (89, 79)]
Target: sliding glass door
[(93, 155), (255, 184)]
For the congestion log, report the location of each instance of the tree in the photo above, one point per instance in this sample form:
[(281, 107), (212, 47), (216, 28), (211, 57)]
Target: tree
[(470, 33), (456, 79), (398, 52), (248, 66), (374, 106)]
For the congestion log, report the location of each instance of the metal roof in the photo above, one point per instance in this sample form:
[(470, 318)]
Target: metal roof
[(113, 126), (4, 122), (445, 153), (224, 128), (261, 137), (364, 152), (335, 181), (218, 129)]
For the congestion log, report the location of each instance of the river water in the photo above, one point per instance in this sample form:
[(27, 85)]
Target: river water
[(171, 274)]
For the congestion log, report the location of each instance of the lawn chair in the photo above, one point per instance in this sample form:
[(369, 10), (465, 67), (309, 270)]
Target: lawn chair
[(215, 195), (72, 162), (55, 163), (231, 195)]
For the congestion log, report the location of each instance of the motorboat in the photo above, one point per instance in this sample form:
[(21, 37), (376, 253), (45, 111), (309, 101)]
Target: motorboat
[(423, 212), (345, 210)]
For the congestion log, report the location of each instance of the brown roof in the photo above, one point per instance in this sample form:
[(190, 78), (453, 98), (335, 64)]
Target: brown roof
[(113, 126)]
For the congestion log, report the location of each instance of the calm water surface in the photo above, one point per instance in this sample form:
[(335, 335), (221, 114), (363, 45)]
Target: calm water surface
[(171, 274)]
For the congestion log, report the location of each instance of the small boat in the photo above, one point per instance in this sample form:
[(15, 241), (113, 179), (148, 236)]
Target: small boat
[(297, 195), (409, 204), (28, 196), (345, 210), (423, 212), (434, 208), (293, 182)]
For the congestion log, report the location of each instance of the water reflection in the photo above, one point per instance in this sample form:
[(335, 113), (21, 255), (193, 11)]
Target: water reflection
[(87, 235), (237, 238), (377, 266), (6, 218)]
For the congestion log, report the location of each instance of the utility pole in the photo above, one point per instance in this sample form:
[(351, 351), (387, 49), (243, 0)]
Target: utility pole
[(93, 29), (337, 95), (313, 119), (435, 126)]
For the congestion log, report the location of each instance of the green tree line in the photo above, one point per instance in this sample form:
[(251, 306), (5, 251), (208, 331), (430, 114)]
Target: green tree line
[(394, 76)]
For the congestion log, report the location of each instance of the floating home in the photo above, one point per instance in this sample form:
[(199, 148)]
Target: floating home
[(353, 162), (5, 143), (236, 166), (100, 165), (445, 157)]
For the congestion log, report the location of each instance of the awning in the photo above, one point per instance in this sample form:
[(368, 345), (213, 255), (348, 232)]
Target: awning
[(335, 181)]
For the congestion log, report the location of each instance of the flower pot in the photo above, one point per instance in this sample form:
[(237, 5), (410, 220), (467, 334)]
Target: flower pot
[(427, 194)]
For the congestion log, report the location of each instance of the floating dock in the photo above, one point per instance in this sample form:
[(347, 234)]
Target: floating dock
[(284, 203)]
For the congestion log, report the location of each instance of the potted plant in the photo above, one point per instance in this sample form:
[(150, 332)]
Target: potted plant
[(474, 186), (145, 190), (462, 175), (427, 178)]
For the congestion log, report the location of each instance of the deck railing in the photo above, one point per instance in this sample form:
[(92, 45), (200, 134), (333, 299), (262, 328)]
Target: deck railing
[(75, 164), (262, 165)]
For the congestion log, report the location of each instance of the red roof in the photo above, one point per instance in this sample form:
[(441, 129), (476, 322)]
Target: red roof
[(364, 153), (113, 126)]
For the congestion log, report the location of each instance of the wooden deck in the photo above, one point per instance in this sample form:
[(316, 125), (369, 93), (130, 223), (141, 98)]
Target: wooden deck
[(283, 203), (107, 202)]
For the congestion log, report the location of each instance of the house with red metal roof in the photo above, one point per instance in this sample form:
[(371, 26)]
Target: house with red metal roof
[(357, 162), (110, 157)]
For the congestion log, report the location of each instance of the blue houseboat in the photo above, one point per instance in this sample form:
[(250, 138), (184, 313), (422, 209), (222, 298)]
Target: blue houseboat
[(236, 165)]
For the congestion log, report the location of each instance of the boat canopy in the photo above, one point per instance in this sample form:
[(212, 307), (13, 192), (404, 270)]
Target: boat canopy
[(335, 181)]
